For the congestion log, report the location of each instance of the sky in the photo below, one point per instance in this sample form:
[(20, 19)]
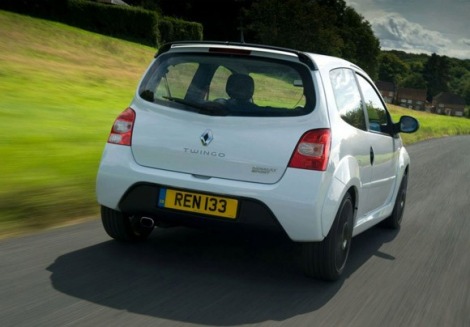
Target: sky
[(419, 26)]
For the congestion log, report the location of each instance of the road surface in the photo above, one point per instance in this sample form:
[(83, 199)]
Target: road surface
[(419, 276)]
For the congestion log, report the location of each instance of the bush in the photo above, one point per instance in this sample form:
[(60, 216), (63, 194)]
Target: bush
[(131, 23), (173, 29), (125, 22), (50, 9)]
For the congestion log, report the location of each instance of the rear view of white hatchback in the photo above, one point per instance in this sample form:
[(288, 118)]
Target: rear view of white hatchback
[(249, 135)]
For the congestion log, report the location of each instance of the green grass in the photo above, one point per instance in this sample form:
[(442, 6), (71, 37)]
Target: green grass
[(431, 125), (61, 88)]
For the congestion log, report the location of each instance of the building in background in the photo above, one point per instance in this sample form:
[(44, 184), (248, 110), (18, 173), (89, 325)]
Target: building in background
[(450, 104), (388, 90), (411, 98), (405, 97)]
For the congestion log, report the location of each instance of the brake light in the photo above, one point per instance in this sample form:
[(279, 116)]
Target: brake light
[(231, 51), (312, 151), (121, 132)]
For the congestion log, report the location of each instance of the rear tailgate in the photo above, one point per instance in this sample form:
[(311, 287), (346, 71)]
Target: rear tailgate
[(238, 148)]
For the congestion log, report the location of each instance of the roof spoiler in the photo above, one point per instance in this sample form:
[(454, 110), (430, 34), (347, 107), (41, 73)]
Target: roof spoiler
[(302, 56)]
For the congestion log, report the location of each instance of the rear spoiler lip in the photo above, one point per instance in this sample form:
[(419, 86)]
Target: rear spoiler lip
[(303, 57)]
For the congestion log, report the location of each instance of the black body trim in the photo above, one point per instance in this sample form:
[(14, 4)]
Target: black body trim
[(142, 200)]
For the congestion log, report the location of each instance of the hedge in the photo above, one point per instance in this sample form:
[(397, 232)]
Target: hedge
[(126, 22), (49, 9), (174, 29), (130, 23)]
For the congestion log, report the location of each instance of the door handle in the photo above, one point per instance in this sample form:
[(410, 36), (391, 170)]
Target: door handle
[(372, 156)]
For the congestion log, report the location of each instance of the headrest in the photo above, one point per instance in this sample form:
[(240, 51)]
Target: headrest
[(240, 87)]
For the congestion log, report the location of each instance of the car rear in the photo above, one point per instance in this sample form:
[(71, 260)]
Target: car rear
[(222, 133)]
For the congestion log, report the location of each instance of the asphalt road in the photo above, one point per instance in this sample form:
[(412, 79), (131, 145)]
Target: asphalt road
[(420, 276)]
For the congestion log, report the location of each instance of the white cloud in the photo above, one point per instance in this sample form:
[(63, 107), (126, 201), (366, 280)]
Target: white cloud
[(419, 26), (465, 42), (395, 32), (460, 49)]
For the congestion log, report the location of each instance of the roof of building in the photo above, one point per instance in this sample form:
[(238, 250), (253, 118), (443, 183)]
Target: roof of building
[(385, 86), (417, 94), (449, 98)]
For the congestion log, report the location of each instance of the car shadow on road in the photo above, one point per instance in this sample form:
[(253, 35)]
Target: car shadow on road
[(204, 277)]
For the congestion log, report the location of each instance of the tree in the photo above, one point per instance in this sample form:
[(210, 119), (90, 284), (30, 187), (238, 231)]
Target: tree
[(414, 80), (460, 81), (221, 19), (391, 68), (271, 22), (322, 26), (436, 74), (360, 44), (463, 88)]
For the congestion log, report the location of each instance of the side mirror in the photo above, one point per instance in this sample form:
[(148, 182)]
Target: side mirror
[(406, 124)]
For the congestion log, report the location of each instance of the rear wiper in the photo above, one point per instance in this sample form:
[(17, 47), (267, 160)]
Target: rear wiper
[(207, 108), (214, 109), (183, 101)]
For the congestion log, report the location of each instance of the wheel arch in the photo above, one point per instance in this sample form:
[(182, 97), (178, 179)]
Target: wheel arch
[(402, 169), (346, 179), (403, 163)]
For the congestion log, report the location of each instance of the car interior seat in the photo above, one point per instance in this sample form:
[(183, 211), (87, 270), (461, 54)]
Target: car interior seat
[(240, 88)]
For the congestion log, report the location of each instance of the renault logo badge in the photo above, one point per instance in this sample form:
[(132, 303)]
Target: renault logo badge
[(207, 137)]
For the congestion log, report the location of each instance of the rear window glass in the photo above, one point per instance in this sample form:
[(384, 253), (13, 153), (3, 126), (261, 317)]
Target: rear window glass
[(228, 85)]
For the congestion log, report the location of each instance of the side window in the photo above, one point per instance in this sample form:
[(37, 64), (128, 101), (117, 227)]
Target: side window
[(348, 97), (375, 108)]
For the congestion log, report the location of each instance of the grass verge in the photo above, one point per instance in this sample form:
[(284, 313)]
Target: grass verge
[(431, 125), (61, 88)]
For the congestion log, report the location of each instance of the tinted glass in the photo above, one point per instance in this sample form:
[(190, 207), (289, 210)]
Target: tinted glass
[(348, 97), (376, 112), (229, 85)]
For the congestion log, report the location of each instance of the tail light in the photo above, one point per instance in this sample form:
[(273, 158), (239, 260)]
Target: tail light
[(121, 133), (312, 151)]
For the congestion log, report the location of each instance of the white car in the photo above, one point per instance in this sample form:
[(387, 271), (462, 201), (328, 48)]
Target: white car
[(250, 135)]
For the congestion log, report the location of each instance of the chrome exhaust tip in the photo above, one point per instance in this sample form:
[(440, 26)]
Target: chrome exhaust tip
[(147, 222)]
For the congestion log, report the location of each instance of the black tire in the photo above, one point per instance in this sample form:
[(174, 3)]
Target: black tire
[(394, 221), (326, 260), (122, 227)]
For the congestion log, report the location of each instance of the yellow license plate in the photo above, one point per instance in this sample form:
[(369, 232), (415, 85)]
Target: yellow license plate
[(199, 203)]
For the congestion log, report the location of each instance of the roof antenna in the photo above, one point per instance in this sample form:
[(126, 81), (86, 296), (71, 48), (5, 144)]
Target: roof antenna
[(242, 37)]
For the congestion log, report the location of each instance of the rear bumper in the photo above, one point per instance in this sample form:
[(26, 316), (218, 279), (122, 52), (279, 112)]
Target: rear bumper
[(141, 199), (294, 204)]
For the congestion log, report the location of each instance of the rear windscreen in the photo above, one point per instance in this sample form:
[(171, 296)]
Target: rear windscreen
[(229, 85)]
